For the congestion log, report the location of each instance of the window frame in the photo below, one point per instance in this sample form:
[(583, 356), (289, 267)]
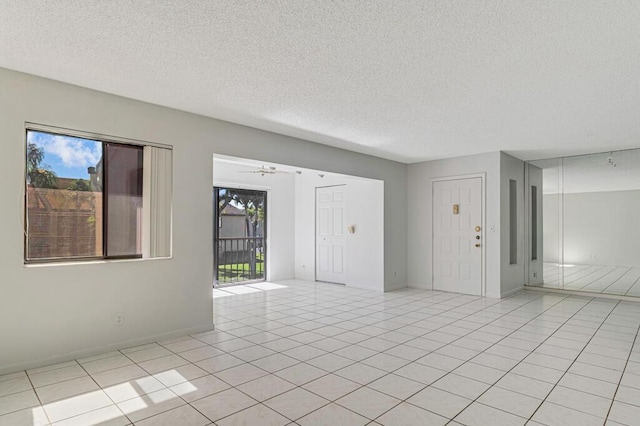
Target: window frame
[(105, 203), (97, 137)]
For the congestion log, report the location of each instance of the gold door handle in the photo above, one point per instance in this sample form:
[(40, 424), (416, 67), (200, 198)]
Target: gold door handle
[(477, 245)]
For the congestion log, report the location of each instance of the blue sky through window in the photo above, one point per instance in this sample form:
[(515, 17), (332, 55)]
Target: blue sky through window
[(67, 156)]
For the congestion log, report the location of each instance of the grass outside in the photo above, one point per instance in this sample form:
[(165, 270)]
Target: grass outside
[(236, 272)]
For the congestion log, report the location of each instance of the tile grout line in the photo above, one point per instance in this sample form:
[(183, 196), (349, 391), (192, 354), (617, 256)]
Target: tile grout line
[(387, 311), (493, 321), (481, 352), (102, 389), (38, 397), (390, 372), (617, 279), (329, 373), (572, 363), (637, 281), (613, 398), (356, 362)]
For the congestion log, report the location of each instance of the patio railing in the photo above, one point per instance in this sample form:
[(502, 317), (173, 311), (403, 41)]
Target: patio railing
[(240, 259)]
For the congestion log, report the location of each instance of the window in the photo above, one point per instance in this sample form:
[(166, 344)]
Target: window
[(534, 222), (123, 200), (513, 222), (84, 199)]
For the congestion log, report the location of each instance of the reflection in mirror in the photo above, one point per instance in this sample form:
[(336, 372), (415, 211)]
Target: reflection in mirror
[(550, 221), (591, 205)]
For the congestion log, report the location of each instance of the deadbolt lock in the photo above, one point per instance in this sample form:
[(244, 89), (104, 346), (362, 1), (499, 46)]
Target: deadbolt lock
[(478, 229), (477, 237)]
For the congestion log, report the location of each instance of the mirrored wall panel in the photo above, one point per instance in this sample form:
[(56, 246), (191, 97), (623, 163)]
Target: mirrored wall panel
[(590, 219)]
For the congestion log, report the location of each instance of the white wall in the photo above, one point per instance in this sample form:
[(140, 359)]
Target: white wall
[(511, 276), (56, 312), (365, 254), (280, 212), (365, 210), (420, 216), (498, 168), (600, 228)]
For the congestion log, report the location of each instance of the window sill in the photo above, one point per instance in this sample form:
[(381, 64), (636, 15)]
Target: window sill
[(91, 262)]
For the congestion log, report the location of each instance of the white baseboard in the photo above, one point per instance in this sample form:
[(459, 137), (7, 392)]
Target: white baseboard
[(84, 353), (281, 278), (510, 292), (393, 287), (423, 286)]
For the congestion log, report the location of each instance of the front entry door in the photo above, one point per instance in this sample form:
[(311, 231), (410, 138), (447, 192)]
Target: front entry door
[(330, 234), (457, 236)]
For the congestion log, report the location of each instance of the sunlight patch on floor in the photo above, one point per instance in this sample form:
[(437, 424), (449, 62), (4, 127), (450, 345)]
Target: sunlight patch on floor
[(96, 407), (245, 289)]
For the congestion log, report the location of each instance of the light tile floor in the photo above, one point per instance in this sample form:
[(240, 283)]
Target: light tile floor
[(321, 354)]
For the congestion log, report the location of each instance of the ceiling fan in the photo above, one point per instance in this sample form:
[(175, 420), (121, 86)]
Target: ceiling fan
[(271, 170)]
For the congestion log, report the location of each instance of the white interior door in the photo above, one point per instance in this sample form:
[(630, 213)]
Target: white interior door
[(330, 234), (457, 236)]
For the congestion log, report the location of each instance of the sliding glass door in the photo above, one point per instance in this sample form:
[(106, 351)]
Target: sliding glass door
[(240, 249)]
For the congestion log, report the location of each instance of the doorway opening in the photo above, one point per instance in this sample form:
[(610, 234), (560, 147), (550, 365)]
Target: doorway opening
[(240, 245), (290, 227)]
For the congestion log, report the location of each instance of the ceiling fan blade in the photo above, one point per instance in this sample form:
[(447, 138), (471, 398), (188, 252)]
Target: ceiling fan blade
[(265, 171), (262, 172)]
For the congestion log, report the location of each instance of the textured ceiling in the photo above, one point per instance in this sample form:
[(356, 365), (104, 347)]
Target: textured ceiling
[(407, 80), (607, 171)]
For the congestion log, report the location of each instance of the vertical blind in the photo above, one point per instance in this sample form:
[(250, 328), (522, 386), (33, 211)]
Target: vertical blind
[(157, 192)]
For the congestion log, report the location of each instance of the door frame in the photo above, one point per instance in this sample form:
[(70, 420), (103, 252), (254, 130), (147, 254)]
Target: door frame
[(267, 189), (315, 235), (483, 224), (528, 236)]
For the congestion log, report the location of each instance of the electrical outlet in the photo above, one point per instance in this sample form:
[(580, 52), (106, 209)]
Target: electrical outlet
[(118, 319)]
